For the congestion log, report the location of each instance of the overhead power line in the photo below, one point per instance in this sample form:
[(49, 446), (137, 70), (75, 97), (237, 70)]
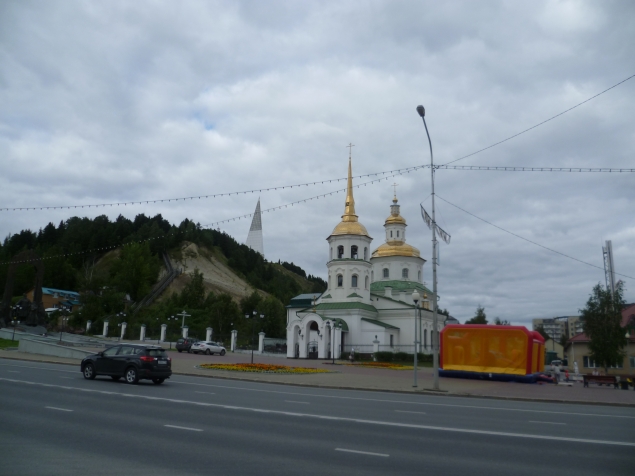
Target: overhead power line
[(541, 123), (527, 240), (534, 169)]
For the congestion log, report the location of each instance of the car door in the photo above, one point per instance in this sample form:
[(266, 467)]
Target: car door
[(105, 361), (215, 347), (122, 359)]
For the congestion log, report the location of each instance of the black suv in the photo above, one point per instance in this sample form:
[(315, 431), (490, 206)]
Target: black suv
[(185, 344), (134, 362)]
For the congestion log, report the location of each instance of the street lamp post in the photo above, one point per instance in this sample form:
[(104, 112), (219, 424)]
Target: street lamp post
[(415, 297), (13, 321), (64, 319), (435, 333), (253, 323)]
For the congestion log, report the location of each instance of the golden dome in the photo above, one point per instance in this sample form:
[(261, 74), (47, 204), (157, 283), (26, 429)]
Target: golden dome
[(350, 228), (396, 248), (349, 224)]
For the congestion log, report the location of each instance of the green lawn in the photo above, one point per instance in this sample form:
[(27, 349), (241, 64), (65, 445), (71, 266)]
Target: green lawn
[(4, 343)]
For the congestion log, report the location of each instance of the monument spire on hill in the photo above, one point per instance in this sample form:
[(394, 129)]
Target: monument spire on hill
[(254, 238)]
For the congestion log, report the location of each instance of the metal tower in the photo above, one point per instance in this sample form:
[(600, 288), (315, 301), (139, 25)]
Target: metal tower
[(254, 238)]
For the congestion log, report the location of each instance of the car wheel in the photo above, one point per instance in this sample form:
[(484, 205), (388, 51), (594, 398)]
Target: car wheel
[(158, 381), (222, 352), (208, 352), (189, 351), (89, 371), (179, 350), (131, 375), (115, 377)]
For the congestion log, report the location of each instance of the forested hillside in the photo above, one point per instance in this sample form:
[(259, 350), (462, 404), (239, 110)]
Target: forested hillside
[(106, 260)]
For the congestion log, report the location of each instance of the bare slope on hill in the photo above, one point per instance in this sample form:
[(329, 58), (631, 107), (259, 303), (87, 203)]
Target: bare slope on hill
[(217, 276)]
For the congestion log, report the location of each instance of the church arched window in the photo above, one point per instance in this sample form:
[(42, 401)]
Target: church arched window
[(331, 255), (391, 233), (366, 282), (372, 276), (425, 339), (329, 282), (340, 252), (386, 273), (404, 273), (354, 252), (340, 280), (354, 281), (397, 233), (419, 276), (365, 254)]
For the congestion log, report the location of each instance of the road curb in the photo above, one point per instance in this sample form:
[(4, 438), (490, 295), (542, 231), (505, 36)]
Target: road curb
[(427, 392)]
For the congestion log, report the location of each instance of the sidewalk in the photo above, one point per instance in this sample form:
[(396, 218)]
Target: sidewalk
[(363, 378)]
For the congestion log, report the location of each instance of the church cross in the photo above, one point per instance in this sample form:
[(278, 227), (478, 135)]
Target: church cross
[(394, 185)]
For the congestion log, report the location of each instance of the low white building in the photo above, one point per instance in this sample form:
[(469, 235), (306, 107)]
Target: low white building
[(368, 303)]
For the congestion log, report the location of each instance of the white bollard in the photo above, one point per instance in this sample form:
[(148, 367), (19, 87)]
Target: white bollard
[(164, 328), (261, 342), (142, 337), (208, 334), (88, 324), (233, 344), (185, 329), (123, 329), (105, 334)]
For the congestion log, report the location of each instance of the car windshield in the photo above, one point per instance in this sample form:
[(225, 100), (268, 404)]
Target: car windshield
[(180, 341), (156, 352)]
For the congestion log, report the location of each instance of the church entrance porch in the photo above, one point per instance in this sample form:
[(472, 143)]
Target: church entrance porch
[(312, 350)]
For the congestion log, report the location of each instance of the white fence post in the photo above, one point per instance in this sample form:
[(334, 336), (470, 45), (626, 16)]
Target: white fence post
[(233, 346), (163, 331), (105, 333), (261, 342), (208, 336), (142, 337)]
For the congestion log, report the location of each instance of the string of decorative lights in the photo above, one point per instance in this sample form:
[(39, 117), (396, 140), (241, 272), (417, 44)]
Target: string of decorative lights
[(321, 182), (532, 169), (317, 197), (527, 240), (225, 194), (212, 225)]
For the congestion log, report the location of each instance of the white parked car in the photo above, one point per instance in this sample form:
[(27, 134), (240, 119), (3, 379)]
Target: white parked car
[(208, 347)]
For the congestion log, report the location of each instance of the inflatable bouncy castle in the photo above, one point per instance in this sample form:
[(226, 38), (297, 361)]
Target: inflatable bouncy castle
[(511, 353)]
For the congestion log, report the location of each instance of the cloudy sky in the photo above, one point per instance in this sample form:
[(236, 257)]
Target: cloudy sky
[(117, 101)]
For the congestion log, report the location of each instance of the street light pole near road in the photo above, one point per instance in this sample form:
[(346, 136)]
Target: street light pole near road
[(415, 297), (435, 327)]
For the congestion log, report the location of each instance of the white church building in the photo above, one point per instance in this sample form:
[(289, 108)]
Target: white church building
[(368, 304)]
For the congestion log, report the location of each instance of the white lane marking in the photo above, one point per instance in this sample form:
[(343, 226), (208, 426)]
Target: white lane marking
[(13, 371), (547, 422), (294, 401), (362, 452), (405, 411), (207, 393), (68, 378), (59, 409), (334, 418), (182, 428), (407, 403), (40, 368)]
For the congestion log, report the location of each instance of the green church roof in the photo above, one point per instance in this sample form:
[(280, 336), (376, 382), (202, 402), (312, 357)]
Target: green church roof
[(396, 285), (379, 323)]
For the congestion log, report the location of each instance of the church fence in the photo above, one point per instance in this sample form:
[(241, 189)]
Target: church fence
[(369, 349)]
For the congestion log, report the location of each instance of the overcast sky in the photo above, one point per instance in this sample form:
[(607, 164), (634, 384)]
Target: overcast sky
[(105, 102)]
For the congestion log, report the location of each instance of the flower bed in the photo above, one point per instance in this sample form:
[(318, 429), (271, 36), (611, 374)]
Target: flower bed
[(264, 368)]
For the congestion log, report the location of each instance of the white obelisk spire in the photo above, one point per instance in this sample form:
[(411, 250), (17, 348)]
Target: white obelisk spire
[(254, 238)]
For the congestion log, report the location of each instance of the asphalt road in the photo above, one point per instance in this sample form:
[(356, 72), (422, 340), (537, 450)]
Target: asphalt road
[(52, 421)]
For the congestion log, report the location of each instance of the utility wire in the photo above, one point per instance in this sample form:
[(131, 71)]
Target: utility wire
[(541, 123), (525, 239), (533, 169)]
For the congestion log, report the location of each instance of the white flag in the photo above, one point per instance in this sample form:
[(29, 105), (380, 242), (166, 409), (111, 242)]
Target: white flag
[(428, 220)]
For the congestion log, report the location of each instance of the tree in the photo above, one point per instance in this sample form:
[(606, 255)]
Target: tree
[(479, 317), (136, 270), (501, 322), (602, 318), (541, 330)]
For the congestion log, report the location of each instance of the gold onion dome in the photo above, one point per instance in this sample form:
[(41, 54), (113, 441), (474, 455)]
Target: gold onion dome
[(395, 246), (349, 224)]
